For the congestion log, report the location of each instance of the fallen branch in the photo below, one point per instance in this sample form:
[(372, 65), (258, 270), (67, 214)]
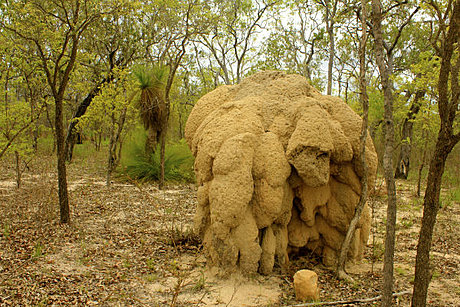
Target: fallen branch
[(363, 300)]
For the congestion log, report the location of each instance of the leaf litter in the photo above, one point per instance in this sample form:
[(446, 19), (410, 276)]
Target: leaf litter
[(133, 245)]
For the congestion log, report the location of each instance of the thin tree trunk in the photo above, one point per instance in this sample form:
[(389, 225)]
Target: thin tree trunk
[(50, 122), (111, 147), (422, 164), (62, 172), (34, 132), (162, 159), (402, 169), (115, 139), (330, 30), (346, 92), (430, 211), (448, 104), (341, 273), (385, 73), (18, 169)]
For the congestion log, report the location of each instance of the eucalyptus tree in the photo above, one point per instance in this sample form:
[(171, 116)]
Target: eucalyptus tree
[(293, 44), (117, 40), (22, 88), (55, 30), (416, 50), (233, 28), (330, 15), (446, 41), (384, 45)]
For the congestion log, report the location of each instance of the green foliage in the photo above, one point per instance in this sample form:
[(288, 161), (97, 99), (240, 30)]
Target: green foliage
[(38, 251), (136, 164), (452, 183), (106, 108), (200, 283), (150, 77), (6, 231)]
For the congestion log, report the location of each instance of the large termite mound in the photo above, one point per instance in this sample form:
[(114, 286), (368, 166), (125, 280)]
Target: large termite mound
[(278, 171)]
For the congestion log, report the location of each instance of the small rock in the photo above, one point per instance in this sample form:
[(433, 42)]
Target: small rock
[(306, 285)]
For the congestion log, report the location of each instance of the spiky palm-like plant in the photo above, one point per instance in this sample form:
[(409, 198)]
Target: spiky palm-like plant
[(151, 103)]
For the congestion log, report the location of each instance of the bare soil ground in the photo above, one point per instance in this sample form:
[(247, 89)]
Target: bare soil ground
[(132, 245)]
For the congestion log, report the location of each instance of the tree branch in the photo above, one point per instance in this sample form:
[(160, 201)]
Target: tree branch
[(356, 301)]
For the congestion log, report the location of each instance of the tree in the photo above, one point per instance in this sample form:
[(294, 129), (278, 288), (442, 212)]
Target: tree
[(419, 66), (364, 98), (233, 27), (384, 59), (293, 44), (403, 164), (55, 30), (115, 45), (113, 108), (330, 7), (447, 39)]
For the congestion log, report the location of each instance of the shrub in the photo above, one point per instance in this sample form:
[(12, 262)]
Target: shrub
[(136, 164)]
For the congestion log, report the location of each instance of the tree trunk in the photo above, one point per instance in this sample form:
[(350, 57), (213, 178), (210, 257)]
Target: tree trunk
[(115, 139), (18, 169), (50, 122), (62, 172), (430, 211), (151, 142), (402, 169), (162, 159), (330, 31), (422, 163), (111, 148), (385, 73), (341, 273), (448, 103), (34, 128)]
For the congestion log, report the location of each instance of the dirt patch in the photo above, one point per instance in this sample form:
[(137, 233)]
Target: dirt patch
[(132, 246)]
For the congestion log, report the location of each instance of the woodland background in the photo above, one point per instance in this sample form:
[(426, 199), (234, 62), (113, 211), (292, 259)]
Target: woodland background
[(75, 77)]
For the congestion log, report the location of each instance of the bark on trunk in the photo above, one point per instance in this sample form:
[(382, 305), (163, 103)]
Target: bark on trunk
[(330, 15), (162, 160), (430, 211), (385, 73), (62, 172), (422, 164), (402, 169), (115, 141), (448, 104), (18, 169)]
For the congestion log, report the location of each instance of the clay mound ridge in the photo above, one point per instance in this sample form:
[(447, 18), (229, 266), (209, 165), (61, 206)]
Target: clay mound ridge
[(277, 170)]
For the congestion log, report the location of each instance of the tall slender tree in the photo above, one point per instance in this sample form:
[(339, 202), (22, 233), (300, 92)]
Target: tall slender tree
[(447, 47), (330, 15), (55, 29), (364, 99), (384, 53)]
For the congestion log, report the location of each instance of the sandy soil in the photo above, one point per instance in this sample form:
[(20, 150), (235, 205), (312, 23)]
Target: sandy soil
[(132, 245)]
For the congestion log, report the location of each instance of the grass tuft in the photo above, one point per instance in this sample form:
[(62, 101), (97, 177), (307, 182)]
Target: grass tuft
[(136, 164)]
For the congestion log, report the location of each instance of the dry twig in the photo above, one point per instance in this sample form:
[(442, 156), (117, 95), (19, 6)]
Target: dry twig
[(363, 300)]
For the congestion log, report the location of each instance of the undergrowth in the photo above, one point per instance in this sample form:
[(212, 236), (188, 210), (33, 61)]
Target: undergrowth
[(136, 164)]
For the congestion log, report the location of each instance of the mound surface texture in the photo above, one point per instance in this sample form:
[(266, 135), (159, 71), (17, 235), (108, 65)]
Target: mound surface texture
[(277, 168)]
